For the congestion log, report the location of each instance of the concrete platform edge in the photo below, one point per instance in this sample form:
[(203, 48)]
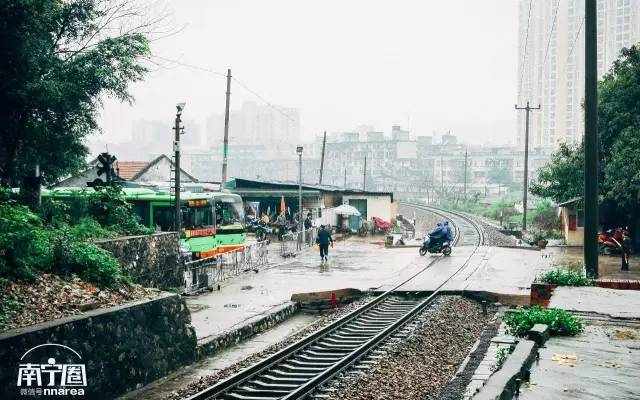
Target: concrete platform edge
[(504, 384), (212, 344)]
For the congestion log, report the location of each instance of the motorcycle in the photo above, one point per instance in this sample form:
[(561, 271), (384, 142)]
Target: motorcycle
[(260, 228), (613, 241), (430, 245)]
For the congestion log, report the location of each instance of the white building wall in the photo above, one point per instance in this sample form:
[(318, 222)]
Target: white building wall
[(377, 206)]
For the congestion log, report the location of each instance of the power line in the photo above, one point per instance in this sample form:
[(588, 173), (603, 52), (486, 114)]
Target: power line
[(526, 40), (553, 25), (263, 99), (196, 67), (575, 39), (212, 71)]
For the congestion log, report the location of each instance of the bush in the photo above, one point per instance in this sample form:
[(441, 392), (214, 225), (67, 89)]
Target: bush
[(28, 247), (25, 246), (564, 277), (545, 217), (560, 322), (110, 209), (91, 264), (88, 228)]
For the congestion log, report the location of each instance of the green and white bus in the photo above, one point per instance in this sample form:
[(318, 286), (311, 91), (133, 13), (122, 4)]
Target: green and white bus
[(212, 222)]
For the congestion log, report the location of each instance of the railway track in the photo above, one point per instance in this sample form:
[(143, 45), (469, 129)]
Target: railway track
[(299, 370), (467, 232)]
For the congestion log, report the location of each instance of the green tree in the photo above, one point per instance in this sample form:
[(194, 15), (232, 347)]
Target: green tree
[(562, 178), (619, 129), (57, 60)]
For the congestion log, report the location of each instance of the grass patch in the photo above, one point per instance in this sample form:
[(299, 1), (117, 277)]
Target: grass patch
[(564, 277), (501, 357), (560, 322)]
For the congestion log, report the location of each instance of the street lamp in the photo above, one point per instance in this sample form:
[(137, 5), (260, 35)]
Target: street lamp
[(299, 151)]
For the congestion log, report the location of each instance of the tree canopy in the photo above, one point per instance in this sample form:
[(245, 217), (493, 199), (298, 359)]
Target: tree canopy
[(57, 60), (619, 129)]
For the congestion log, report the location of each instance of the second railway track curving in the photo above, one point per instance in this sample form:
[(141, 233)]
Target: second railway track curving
[(298, 370)]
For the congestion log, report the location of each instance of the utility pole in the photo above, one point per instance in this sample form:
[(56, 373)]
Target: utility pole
[(225, 145), (177, 131), (526, 163), (591, 140), (300, 222), (441, 175), (466, 155), (324, 143), (364, 175), (345, 177)]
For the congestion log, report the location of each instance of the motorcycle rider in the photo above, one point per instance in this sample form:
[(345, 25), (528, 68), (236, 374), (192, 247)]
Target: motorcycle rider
[(440, 234)]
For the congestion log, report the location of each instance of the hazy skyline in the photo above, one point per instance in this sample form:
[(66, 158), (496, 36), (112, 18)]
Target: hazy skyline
[(448, 65)]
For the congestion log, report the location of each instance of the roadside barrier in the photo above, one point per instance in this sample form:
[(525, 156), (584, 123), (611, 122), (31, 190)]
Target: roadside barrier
[(205, 273)]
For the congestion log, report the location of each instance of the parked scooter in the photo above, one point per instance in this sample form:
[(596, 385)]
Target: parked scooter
[(435, 245)]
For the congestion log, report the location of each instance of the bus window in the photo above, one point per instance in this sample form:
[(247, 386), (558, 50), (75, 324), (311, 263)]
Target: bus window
[(141, 209), (198, 217), (228, 213), (163, 218)]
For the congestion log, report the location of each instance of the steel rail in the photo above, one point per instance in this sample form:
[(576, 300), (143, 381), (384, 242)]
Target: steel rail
[(323, 356)]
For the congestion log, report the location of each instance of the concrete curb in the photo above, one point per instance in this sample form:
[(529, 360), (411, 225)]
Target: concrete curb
[(504, 384), (212, 344)]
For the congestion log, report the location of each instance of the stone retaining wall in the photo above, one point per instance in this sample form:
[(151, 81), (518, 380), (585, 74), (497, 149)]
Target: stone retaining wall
[(150, 260), (122, 347)]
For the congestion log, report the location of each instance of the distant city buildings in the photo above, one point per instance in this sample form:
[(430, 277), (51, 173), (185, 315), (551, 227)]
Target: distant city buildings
[(256, 124), (551, 62), (421, 167)]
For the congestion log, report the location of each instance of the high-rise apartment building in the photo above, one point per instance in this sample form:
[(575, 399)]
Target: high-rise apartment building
[(551, 62)]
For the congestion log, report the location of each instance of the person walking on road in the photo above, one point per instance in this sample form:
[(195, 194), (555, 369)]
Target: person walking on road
[(323, 240)]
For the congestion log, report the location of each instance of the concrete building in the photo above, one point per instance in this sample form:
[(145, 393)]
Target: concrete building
[(255, 124), (551, 62), (572, 222), (267, 197)]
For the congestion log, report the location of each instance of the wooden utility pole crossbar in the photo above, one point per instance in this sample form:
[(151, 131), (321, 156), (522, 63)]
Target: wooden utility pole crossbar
[(525, 189)]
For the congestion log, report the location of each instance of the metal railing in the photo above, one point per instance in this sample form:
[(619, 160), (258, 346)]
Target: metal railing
[(207, 272), (292, 242)]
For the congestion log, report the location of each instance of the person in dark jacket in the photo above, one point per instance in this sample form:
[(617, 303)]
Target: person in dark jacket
[(323, 240)]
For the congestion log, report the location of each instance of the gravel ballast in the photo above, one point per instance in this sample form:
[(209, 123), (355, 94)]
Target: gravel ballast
[(422, 365)]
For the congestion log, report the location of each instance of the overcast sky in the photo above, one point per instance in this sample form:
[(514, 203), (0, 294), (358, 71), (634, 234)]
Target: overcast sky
[(438, 65)]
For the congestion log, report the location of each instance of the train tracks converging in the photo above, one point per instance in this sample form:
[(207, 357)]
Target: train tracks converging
[(467, 232), (299, 370)]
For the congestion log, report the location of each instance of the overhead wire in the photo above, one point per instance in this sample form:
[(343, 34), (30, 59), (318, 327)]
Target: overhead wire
[(553, 25), (240, 83), (524, 53)]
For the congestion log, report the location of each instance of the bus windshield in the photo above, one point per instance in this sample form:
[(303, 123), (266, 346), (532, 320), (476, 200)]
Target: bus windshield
[(229, 211), (197, 217)]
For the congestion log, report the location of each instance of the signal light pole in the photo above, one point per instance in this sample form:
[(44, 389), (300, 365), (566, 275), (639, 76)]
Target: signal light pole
[(526, 163)]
